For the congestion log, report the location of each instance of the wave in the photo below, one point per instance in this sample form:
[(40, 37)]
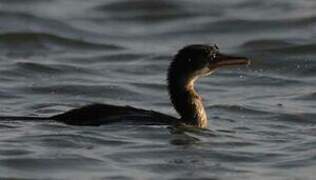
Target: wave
[(266, 44), (142, 11), (21, 40), (15, 21), (237, 109), (278, 46), (138, 5), (249, 25), (265, 5), (265, 115), (296, 50), (299, 118), (27, 2), (7, 95), (79, 89), (34, 67), (307, 97)]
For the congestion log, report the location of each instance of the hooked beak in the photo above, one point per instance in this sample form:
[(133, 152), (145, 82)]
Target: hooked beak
[(227, 60)]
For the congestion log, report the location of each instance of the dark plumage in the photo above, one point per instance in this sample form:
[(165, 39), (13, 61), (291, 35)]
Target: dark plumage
[(190, 63)]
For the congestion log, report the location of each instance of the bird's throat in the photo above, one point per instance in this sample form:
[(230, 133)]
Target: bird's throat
[(187, 102)]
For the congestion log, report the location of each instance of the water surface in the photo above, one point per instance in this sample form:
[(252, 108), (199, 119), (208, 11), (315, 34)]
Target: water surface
[(60, 54)]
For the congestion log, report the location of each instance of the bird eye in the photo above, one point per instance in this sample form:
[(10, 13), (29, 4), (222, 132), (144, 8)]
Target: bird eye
[(213, 56)]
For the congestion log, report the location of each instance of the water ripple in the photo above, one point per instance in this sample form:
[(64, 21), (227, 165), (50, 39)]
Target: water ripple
[(47, 41), (57, 55)]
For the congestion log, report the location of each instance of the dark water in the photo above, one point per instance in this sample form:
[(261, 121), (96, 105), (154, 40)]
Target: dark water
[(59, 54)]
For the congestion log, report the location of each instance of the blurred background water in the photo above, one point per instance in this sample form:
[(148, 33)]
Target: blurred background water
[(60, 54)]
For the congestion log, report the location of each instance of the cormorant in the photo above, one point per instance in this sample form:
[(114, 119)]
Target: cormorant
[(189, 64)]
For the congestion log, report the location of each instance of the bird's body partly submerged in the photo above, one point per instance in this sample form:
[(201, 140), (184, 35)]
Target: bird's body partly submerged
[(190, 63), (98, 114)]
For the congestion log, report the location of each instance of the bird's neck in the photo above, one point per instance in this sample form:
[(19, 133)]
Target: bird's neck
[(186, 101)]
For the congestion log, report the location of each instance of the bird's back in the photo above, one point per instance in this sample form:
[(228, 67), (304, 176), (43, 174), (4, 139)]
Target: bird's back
[(98, 114)]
